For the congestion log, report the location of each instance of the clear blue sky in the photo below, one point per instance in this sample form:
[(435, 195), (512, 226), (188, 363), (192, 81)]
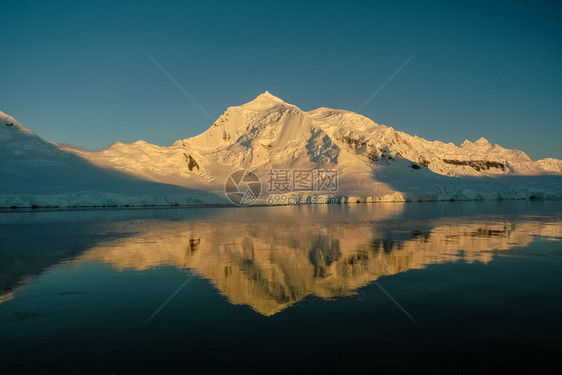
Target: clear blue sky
[(76, 72)]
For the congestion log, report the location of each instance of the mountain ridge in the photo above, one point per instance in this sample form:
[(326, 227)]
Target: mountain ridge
[(273, 122), (38, 173), (374, 162)]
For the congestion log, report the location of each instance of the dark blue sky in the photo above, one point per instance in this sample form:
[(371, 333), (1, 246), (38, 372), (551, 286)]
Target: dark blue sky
[(76, 72)]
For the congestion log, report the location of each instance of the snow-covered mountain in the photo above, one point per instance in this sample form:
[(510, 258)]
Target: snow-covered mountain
[(37, 173), (374, 162)]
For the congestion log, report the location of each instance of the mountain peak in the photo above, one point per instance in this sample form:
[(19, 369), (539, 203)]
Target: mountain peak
[(264, 101), (268, 96), (11, 122), (482, 142)]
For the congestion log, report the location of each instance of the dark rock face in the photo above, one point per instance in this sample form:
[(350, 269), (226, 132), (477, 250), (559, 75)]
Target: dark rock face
[(191, 163), (479, 165), (355, 144)]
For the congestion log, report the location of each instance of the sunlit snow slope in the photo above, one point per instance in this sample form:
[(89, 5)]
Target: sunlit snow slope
[(374, 162)]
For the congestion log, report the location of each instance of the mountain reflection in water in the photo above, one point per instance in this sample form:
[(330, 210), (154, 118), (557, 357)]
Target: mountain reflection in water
[(283, 288), (272, 263)]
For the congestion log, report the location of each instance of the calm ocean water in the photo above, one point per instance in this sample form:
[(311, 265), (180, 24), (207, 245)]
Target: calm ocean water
[(416, 287)]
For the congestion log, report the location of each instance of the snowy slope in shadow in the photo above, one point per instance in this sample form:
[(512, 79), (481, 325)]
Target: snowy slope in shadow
[(34, 172)]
